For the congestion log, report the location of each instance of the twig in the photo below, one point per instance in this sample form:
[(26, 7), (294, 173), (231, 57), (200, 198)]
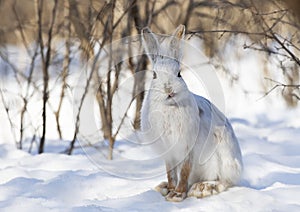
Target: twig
[(278, 84), (223, 31), (12, 126), (123, 118), (46, 62), (273, 35)]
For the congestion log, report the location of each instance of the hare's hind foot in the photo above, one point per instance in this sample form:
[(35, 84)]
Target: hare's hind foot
[(174, 196), (162, 188), (170, 194), (208, 188)]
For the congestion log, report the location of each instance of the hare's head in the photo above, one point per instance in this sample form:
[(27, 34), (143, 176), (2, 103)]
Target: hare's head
[(165, 54)]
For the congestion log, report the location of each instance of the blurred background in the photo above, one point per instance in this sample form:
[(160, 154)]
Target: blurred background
[(45, 46)]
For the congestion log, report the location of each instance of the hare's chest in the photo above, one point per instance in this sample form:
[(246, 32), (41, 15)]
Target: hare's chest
[(169, 122), (174, 126)]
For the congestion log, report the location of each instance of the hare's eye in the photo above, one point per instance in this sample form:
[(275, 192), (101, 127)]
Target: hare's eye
[(179, 75), (154, 75)]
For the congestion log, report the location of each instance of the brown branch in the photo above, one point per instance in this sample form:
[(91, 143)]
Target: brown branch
[(296, 96), (86, 89), (107, 36), (65, 71), (123, 119), (108, 86), (46, 62), (27, 96), (284, 85), (278, 84), (293, 56), (273, 35), (127, 10), (103, 113), (12, 126), (265, 49), (228, 31)]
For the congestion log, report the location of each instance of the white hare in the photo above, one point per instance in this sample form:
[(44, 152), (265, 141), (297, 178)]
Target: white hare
[(197, 142)]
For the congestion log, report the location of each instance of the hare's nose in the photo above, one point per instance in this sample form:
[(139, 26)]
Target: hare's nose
[(171, 94), (168, 90)]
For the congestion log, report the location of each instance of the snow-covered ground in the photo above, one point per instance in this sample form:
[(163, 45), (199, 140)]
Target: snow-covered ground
[(268, 133), (57, 182)]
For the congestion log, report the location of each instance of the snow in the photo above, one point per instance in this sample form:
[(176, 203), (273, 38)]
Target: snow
[(268, 134), (57, 182)]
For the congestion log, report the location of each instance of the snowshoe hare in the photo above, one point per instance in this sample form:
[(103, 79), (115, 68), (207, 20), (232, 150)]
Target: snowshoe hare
[(197, 142)]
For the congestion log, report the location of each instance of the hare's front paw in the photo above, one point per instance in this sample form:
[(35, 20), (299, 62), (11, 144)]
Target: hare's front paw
[(162, 188), (174, 196), (205, 189)]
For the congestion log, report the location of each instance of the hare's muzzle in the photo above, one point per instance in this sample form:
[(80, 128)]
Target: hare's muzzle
[(171, 94)]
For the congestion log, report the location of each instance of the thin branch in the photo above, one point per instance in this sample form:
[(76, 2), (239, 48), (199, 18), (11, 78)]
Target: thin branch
[(273, 35), (278, 84), (123, 118), (282, 84), (12, 126), (228, 31), (46, 59)]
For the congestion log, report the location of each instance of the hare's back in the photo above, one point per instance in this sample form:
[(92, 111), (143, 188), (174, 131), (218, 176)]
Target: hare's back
[(209, 112)]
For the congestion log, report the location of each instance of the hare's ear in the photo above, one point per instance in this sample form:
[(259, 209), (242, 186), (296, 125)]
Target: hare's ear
[(150, 43), (179, 32), (175, 43)]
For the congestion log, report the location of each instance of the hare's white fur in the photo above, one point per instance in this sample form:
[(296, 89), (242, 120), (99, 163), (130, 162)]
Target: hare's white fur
[(187, 130)]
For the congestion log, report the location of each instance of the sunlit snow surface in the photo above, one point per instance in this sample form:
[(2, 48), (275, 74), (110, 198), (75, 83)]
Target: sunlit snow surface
[(58, 182)]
